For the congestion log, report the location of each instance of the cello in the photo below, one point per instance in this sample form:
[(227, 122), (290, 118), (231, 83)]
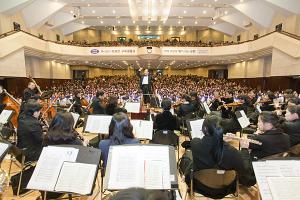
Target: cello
[(12, 104)]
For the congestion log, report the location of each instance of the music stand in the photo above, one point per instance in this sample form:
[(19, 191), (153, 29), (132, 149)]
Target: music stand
[(86, 155)]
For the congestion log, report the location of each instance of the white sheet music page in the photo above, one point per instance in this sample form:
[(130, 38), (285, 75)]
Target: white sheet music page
[(244, 121), (263, 170), (98, 124), (76, 177), (284, 188), (75, 117), (126, 170), (158, 155), (3, 147), (5, 114), (196, 128), (132, 107), (48, 167), (142, 129), (206, 108)]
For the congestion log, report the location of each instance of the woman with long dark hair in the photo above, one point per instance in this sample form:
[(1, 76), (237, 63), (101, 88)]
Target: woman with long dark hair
[(61, 131), (120, 132)]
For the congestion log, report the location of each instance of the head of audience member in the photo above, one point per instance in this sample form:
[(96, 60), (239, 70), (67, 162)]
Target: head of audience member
[(211, 127), (229, 94), (166, 104), (1, 89), (120, 128), (61, 129), (141, 194), (78, 94), (267, 121), (216, 95), (194, 95), (295, 93), (32, 108), (292, 113), (251, 94), (31, 85)]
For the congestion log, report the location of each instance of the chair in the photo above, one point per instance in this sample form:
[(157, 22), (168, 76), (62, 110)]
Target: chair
[(166, 137), (184, 119), (214, 179), (19, 155), (295, 151)]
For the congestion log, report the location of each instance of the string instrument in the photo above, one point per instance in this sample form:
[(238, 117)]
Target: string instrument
[(36, 85), (12, 104), (233, 137), (50, 111), (84, 102), (71, 106), (230, 105)]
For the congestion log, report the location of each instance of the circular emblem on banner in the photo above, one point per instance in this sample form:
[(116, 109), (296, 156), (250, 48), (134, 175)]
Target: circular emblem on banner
[(94, 51)]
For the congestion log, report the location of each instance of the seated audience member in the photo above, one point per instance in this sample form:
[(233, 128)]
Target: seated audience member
[(142, 194), (212, 152), (270, 135), (120, 132), (186, 107), (166, 120), (29, 132), (112, 106), (292, 124), (61, 131), (98, 103)]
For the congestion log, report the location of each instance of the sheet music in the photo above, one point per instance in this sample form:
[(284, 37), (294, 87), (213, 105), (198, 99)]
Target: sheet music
[(243, 120), (284, 188), (75, 117), (258, 108), (132, 107), (139, 166), (206, 108), (3, 148), (98, 124), (126, 170), (196, 128), (48, 167), (76, 177), (4, 116), (142, 129), (275, 168)]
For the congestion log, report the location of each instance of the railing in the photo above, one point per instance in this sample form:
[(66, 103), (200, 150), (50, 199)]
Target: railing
[(297, 37)]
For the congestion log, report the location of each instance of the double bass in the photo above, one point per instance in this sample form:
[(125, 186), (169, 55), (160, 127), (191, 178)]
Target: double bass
[(12, 104)]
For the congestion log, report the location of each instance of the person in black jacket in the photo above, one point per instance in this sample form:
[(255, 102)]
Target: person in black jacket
[(186, 107), (77, 103), (166, 120), (61, 131), (292, 124), (29, 93), (216, 103), (145, 84), (212, 152), (112, 106), (98, 104), (29, 132), (270, 135)]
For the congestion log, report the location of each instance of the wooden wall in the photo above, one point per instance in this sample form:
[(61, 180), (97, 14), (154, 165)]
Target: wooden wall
[(270, 83)]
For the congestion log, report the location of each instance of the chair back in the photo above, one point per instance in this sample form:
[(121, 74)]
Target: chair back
[(214, 178), (295, 150), (165, 137)]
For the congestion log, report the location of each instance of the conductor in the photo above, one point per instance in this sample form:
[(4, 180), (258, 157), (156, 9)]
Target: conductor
[(145, 84)]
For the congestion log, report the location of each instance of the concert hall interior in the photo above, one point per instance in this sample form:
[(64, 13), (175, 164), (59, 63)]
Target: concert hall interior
[(150, 99)]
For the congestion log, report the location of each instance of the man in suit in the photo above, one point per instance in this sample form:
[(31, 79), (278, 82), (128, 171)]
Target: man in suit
[(30, 133), (145, 84), (98, 104)]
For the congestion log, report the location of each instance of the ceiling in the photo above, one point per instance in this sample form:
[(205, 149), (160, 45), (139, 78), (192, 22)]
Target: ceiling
[(227, 16)]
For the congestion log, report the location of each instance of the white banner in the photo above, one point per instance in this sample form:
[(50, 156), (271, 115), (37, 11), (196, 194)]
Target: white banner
[(185, 51), (112, 51)]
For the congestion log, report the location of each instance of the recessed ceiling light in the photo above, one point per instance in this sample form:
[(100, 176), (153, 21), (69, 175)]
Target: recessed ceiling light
[(196, 22), (179, 22), (101, 22), (119, 22), (82, 22), (89, 5), (184, 11), (214, 22), (204, 11), (216, 0), (226, 12), (71, 11), (241, 1), (93, 11), (113, 11)]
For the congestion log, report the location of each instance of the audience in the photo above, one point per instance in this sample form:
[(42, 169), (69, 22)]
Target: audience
[(292, 124)]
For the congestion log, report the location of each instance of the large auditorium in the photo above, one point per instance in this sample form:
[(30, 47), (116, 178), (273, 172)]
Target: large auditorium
[(149, 99)]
